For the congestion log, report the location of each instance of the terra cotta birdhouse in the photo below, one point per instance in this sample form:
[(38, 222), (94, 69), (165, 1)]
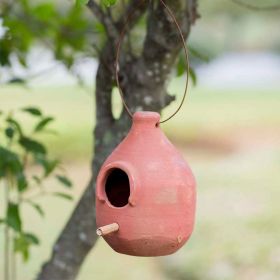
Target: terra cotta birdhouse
[(145, 193)]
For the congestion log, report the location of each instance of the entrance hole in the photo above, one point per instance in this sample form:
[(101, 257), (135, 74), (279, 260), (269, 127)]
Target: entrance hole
[(117, 188)]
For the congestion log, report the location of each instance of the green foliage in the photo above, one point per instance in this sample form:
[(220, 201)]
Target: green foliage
[(9, 132), (63, 30), (193, 76), (182, 68), (23, 242), (64, 180), (33, 111), (109, 3), (195, 53), (43, 123), (13, 219), (9, 163), (82, 2), (38, 208), (22, 183), (63, 195), (18, 151), (15, 125), (32, 146), (47, 164), (69, 32)]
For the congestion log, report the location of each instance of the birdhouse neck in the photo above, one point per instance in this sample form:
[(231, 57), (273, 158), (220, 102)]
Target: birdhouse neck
[(146, 120)]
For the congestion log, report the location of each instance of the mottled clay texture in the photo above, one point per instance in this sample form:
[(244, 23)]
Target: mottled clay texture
[(159, 216)]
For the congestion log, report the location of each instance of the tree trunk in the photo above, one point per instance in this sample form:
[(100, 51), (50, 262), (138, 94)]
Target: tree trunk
[(143, 83)]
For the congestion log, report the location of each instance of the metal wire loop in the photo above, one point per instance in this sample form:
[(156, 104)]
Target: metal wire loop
[(117, 68)]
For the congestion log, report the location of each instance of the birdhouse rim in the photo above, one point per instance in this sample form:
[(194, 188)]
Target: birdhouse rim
[(147, 115), (102, 179)]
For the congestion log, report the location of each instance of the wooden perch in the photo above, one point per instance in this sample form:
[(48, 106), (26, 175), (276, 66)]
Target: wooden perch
[(105, 230)]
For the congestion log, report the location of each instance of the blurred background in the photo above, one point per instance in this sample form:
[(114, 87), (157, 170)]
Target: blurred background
[(228, 131)]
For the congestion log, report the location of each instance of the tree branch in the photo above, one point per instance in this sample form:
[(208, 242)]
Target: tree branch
[(146, 91), (105, 19), (256, 8), (134, 10), (161, 48), (78, 236)]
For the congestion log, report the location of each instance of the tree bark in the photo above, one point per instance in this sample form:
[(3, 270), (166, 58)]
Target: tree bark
[(143, 82)]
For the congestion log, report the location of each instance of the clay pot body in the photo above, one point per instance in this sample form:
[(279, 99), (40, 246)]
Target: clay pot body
[(147, 188)]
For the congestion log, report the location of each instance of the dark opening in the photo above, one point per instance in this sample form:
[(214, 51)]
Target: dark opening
[(117, 188)]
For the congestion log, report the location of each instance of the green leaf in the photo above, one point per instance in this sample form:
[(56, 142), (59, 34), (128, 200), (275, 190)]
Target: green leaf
[(193, 76), (15, 125), (44, 12), (5, 53), (63, 195), (22, 183), (198, 54), (82, 2), (22, 246), (109, 3), (64, 180), (9, 132), (43, 123), (9, 163), (32, 146), (181, 66), (48, 165), (23, 242), (13, 217), (100, 28), (31, 238), (38, 208), (33, 111)]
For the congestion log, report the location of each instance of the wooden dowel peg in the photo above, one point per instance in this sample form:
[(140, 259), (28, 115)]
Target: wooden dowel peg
[(105, 230)]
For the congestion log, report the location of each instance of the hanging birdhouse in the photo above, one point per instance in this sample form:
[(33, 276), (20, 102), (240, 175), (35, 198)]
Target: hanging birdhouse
[(145, 193)]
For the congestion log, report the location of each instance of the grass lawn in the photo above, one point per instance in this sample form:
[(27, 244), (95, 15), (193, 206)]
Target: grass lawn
[(230, 138)]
